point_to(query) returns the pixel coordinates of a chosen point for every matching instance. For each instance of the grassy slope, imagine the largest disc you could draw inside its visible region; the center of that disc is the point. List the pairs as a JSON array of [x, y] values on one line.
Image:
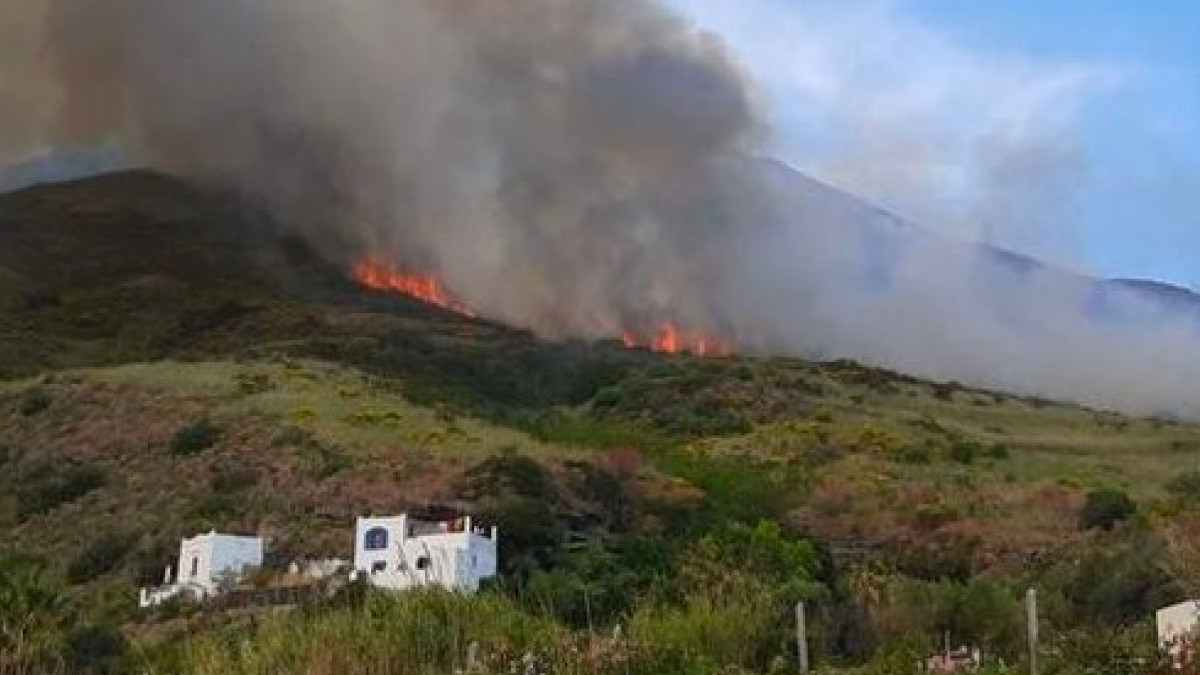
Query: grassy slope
[[133, 307]]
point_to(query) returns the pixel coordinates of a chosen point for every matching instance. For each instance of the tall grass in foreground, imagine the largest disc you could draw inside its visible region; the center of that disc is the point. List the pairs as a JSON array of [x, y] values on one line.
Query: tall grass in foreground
[[417, 633], [432, 632]]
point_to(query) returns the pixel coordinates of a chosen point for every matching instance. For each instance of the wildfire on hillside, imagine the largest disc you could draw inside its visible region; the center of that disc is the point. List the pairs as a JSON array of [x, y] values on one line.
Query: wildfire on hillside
[[668, 338], [424, 287]]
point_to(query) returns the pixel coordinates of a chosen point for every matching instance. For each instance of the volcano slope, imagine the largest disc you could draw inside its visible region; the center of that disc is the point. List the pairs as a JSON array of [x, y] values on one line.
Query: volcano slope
[[171, 364]]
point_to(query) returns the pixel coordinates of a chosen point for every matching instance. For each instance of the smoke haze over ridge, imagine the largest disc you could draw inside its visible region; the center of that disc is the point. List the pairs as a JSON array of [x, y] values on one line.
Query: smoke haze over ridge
[[574, 167]]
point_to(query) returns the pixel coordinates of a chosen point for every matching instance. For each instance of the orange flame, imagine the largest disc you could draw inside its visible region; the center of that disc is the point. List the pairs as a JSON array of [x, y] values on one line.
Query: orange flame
[[670, 339], [425, 287]]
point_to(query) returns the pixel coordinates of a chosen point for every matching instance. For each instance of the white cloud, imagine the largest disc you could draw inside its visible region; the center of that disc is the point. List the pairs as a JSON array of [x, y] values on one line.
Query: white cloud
[[978, 144]]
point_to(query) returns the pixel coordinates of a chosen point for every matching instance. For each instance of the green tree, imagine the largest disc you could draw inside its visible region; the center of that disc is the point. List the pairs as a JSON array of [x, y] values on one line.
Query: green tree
[[31, 617], [1105, 508], [734, 559]]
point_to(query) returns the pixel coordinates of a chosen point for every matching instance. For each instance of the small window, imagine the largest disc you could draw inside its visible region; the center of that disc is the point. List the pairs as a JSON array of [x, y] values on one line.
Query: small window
[[195, 566], [378, 567], [423, 562], [376, 539]]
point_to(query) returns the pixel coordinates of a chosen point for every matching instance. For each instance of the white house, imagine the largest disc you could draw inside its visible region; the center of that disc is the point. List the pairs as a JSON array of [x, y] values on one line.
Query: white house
[[400, 552], [206, 562], [1177, 626]]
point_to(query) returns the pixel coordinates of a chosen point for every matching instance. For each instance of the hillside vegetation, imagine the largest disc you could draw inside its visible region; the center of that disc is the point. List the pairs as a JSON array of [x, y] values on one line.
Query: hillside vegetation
[[169, 364]]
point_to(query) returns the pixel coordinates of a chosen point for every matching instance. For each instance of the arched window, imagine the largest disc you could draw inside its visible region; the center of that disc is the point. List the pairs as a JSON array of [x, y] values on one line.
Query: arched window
[[376, 539]]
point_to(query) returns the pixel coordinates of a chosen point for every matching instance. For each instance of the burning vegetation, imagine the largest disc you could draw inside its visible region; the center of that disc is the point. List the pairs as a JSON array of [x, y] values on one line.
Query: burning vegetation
[[424, 287], [668, 338]]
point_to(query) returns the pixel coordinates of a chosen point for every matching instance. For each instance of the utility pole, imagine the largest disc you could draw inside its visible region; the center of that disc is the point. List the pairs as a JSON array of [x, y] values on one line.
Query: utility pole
[[801, 637], [1031, 619]]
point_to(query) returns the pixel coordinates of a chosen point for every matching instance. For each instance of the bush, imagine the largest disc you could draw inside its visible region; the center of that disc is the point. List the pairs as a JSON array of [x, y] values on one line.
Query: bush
[[1120, 584], [48, 492], [319, 461], [1185, 486], [32, 613], [942, 557], [736, 560], [100, 557], [588, 587], [706, 636], [148, 562], [741, 488], [979, 611], [532, 534], [1105, 508], [913, 454], [213, 510], [932, 516], [95, 649], [34, 401], [233, 478], [195, 438], [964, 452], [508, 473], [423, 631], [998, 451]]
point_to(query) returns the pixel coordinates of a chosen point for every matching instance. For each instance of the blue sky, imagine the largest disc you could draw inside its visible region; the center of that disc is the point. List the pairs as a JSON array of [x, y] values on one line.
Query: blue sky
[[1066, 129]]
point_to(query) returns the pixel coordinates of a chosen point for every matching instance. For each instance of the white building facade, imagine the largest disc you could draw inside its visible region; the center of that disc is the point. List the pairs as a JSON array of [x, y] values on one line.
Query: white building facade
[[1177, 626], [206, 563], [398, 552]]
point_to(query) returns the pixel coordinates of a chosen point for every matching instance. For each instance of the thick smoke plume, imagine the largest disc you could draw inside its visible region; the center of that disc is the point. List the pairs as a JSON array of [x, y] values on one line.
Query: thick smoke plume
[[549, 159], [575, 166]]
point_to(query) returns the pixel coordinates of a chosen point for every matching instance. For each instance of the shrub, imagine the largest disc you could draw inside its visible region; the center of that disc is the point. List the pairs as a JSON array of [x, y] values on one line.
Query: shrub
[[149, 560], [736, 560], [870, 438], [1185, 486], [608, 491], [964, 452], [944, 391], [213, 509], [706, 636], [423, 631], [1120, 584], [945, 556], [100, 557], [978, 611], [233, 478], [1105, 508], [50, 491], [588, 587], [32, 612], [319, 461], [195, 438], [913, 454], [998, 451], [741, 488], [532, 534], [933, 516], [508, 473], [95, 650], [34, 401]]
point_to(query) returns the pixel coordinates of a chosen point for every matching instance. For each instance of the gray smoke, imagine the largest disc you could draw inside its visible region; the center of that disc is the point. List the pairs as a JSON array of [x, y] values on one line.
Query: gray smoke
[[574, 166], [547, 158]]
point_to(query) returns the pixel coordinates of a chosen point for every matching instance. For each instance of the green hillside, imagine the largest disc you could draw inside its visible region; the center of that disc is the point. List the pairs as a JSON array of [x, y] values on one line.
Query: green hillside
[[170, 364]]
